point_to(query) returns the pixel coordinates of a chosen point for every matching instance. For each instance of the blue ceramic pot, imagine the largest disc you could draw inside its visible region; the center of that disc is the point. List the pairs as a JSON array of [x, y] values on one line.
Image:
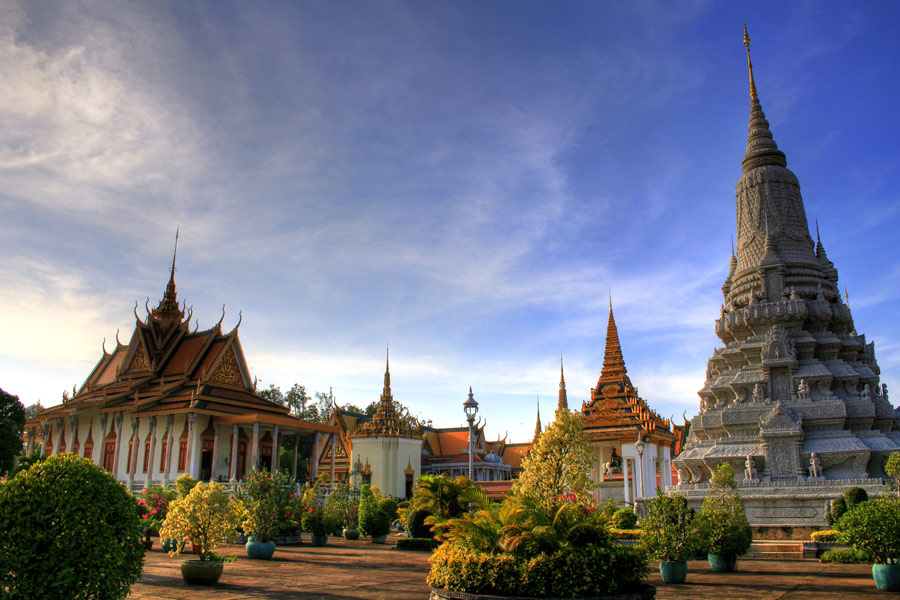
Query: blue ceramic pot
[[380, 539], [259, 550], [887, 577], [318, 539], [673, 571], [722, 563]]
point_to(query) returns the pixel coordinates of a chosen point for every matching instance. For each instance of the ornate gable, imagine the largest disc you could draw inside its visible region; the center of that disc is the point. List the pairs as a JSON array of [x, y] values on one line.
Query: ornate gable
[[228, 371]]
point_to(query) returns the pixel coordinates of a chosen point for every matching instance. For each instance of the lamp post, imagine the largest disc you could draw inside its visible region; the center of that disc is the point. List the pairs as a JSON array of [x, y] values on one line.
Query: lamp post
[[639, 447], [471, 408]]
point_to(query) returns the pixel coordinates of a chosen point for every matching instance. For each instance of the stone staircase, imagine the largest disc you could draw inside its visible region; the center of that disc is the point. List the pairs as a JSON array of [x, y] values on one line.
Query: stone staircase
[[778, 550]]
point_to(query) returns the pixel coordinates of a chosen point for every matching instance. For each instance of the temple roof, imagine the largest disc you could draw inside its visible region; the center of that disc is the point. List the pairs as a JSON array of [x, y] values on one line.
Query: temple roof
[[165, 368], [386, 422]]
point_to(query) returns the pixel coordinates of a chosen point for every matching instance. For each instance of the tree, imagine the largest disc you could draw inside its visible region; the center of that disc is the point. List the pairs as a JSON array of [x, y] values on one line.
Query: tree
[[559, 465], [12, 423], [31, 411], [296, 399]]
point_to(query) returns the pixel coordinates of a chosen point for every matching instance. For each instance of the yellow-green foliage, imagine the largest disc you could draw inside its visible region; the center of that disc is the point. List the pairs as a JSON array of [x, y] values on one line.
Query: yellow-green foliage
[[625, 534], [559, 464], [205, 517], [825, 535]]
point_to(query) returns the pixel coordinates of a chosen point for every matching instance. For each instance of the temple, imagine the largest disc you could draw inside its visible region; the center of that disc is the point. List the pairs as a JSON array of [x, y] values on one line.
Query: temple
[[792, 401], [171, 401], [632, 442]]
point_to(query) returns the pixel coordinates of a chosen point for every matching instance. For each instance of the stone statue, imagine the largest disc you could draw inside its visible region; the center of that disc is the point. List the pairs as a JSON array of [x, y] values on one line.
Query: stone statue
[[750, 470], [741, 396], [758, 394], [803, 390], [815, 466], [884, 393], [824, 390], [866, 392], [614, 465]]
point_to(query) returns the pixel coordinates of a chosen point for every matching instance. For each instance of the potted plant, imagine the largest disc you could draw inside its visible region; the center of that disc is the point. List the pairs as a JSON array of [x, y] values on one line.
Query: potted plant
[[373, 521], [262, 514], [314, 518], [874, 528], [722, 522], [154, 504], [670, 535], [205, 517], [338, 507]]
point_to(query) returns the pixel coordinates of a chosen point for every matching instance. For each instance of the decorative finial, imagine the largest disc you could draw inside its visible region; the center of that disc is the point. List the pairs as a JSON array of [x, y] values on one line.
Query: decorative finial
[[175, 253], [818, 238], [749, 64], [732, 245]]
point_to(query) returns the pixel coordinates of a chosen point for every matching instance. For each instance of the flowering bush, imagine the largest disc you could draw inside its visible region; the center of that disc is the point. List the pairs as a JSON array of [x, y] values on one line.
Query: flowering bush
[[205, 517], [154, 504], [315, 518]]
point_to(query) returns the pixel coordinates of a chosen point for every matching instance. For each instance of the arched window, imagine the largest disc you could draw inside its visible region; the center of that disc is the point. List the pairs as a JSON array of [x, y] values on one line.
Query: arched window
[[147, 451], [162, 457]]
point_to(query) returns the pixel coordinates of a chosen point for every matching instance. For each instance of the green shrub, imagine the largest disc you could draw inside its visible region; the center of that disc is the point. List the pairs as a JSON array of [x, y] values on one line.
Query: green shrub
[[825, 535], [372, 520], [845, 556], [413, 543], [722, 523], [415, 524], [873, 527], [624, 518], [184, 485], [626, 534], [68, 530], [389, 507], [670, 532], [854, 496], [837, 510], [351, 534]]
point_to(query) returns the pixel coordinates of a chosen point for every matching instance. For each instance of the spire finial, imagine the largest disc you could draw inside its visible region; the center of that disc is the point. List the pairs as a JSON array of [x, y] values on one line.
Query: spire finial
[[732, 245], [563, 398], [537, 425], [613, 362], [174, 254], [387, 373], [749, 64]]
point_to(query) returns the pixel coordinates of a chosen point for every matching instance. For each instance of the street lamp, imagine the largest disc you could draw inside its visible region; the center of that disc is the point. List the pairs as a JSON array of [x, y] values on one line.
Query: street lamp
[[471, 408], [639, 447]]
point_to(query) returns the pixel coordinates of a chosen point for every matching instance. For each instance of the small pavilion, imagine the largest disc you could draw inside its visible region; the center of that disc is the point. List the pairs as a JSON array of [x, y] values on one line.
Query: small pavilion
[[632, 442]]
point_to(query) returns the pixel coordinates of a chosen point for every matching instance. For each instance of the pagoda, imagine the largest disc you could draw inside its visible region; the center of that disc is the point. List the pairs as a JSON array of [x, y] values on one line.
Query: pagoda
[[631, 441], [792, 401]]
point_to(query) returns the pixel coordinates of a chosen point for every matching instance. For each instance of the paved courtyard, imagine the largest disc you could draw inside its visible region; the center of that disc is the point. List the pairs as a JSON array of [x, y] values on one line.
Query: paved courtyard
[[361, 569]]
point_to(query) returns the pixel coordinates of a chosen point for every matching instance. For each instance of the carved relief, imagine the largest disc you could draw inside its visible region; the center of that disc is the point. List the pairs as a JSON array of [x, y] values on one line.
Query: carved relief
[[777, 345], [228, 370], [139, 361]]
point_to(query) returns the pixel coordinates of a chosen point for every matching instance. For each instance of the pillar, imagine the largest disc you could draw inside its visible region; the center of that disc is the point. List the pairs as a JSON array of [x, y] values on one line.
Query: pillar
[[276, 451], [73, 429], [627, 483], [31, 433], [314, 458], [45, 436], [294, 465], [104, 419], [170, 440], [234, 452], [254, 458], [132, 466], [60, 424], [152, 457], [190, 446], [333, 457], [215, 454], [118, 425]]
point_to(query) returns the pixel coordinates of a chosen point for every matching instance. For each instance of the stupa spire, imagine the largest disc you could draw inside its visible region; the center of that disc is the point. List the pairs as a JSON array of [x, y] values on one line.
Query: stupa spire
[[168, 306], [761, 147], [563, 398], [387, 374], [537, 425], [613, 361]]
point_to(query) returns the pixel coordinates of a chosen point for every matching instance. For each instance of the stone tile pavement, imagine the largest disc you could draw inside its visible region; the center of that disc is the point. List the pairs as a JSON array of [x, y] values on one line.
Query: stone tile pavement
[[360, 569]]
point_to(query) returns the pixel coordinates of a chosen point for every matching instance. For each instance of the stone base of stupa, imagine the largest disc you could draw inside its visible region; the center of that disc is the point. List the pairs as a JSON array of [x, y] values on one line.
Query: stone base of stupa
[[784, 503]]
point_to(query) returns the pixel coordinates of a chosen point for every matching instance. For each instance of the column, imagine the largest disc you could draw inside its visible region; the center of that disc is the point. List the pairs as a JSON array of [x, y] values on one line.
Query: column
[[73, 430], [314, 458], [118, 425], [45, 436], [132, 466], [151, 459], [294, 465], [627, 484], [254, 459], [190, 447], [31, 433], [104, 419], [60, 424], [234, 451], [333, 457], [276, 451], [170, 440], [215, 454]]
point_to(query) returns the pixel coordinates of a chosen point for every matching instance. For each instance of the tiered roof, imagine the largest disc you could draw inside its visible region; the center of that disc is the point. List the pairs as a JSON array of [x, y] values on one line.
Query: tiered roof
[[615, 410], [386, 422]]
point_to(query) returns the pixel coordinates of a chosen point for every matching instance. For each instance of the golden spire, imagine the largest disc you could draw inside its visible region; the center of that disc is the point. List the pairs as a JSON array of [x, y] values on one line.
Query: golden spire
[[563, 398], [537, 425], [749, 64], [613, 362]]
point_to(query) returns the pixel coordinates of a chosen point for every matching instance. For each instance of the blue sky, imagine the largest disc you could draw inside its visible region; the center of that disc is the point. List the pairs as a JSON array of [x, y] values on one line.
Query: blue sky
[[467, 181]]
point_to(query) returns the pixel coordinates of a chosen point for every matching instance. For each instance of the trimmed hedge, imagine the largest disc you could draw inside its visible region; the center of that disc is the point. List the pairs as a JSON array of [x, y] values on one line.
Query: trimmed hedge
[[568, 572], [624, 518], [417, 544], [625, 534], [415, 524], [845, 556], [68, 530]]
